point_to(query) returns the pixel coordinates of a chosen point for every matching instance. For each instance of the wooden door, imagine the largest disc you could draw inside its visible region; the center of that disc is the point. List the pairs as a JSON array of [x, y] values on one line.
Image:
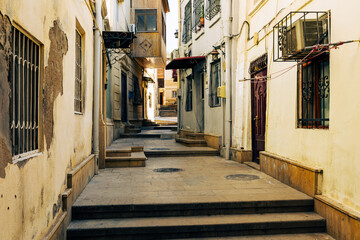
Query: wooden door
[[258, 113]]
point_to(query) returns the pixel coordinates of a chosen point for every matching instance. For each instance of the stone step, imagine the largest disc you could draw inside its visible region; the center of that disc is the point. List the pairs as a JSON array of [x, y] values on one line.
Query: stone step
[[194, 135], [132, 129], [199, 226], [126, 152], [173, 128], [182, 153], [140, 135], [299, 236], [192, 142], [190, 209], [137, 159]]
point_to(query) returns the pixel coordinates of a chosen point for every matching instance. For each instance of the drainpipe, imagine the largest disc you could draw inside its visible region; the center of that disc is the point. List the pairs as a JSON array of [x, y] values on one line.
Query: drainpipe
[[228, 110], [97, 72]]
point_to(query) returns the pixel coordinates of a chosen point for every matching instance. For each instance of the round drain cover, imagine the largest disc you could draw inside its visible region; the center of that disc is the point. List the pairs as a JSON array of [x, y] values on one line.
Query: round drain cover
[[160, 149], [167, 170], [242, 177]]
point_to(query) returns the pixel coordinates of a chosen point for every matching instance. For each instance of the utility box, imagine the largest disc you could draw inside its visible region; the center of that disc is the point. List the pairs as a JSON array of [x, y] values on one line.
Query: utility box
[[221, 92]]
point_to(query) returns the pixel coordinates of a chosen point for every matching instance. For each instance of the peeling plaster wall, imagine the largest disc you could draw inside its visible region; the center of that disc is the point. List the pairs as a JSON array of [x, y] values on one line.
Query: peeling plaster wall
[[30, 191]]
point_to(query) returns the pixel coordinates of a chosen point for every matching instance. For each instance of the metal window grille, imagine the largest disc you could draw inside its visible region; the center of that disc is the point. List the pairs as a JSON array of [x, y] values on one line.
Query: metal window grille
[[295, 35], [189, 95], [314, 93], [213, 8], [214, 100], [187, 34], [78, 101], [24, 103], [198, 15]]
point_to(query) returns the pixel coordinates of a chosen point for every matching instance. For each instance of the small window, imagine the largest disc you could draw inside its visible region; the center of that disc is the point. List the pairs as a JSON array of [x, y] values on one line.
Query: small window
[[187, 34], [163, 28], [198, 15], [137, 92], [314, 93], [215, 80], [174, 94], [161, 83], [213, 8], [78, 97], [24, 78], [146, 20], [189, 94]]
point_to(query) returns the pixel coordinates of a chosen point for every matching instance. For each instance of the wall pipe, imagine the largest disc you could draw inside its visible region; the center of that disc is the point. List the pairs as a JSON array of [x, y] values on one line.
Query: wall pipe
[[97, 72], [228, 110]]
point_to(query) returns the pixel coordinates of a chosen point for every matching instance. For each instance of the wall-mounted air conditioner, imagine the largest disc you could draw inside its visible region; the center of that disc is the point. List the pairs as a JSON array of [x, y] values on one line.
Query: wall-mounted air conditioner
[[298, 32]]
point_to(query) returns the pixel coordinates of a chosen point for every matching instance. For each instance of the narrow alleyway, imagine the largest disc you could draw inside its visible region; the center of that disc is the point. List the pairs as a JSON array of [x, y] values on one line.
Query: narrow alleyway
[[190, 196]]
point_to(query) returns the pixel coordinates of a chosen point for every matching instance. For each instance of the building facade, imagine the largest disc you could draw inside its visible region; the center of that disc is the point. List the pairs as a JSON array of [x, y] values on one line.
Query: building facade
[[287, 68], [46, 82]]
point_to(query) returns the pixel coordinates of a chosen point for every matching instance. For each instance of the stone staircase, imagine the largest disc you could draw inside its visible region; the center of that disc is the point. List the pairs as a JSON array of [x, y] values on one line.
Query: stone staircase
[[132, 129], [254, 219], [191, 139], [130, 157]]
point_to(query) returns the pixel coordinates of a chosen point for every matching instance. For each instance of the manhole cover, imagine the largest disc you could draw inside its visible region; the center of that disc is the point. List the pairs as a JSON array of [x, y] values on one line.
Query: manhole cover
[[160, 149], [241, 177], [167, 170]]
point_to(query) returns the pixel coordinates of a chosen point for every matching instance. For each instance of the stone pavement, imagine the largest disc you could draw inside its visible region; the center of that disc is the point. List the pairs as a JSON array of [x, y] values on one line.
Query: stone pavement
[[201, 179]]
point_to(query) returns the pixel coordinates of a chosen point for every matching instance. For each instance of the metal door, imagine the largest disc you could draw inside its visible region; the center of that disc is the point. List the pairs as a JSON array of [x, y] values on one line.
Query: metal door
[[258, 113]]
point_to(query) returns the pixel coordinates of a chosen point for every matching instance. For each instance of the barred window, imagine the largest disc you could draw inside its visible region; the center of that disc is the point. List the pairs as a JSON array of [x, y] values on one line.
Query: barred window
[[215, 80], [212, 9], [187, 34], [199, 15], [146, 20], [174, 94], [24, 103], [314, 93], [189, 95], [78, 97]]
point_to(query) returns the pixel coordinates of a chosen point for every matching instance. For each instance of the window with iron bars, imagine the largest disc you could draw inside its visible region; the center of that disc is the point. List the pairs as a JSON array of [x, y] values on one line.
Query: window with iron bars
[[199, 15], [24, 77], [78, 97], [215, 80], [314, 93], [212, 9], [187, 34]]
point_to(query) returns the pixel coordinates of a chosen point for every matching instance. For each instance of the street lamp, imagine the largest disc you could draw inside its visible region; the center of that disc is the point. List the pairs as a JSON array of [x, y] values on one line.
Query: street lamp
[[176, 33]]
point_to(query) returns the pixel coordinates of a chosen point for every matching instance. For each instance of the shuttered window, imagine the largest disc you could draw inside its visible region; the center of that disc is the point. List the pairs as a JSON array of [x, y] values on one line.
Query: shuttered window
[[78, 96], [215, 80]]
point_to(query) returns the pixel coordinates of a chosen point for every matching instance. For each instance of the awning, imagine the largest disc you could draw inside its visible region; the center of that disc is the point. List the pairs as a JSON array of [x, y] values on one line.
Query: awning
[[113, 39], [187, 62]]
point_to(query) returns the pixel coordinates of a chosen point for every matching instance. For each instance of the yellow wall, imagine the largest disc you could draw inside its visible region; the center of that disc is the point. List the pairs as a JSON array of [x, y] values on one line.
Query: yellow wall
[[31, 190]]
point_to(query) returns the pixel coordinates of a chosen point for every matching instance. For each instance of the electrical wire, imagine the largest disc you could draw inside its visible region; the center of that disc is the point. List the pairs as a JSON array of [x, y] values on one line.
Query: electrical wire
[[319, 49]]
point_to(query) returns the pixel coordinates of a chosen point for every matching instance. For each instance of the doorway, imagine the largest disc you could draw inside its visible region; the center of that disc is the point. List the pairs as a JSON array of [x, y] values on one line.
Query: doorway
[[258, 112], [124, 112], [161, 98]]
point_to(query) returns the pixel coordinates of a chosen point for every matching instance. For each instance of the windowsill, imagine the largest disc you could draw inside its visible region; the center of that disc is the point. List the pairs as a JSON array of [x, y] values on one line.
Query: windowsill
[[26, 156], [215, 106], [78, 113], [200, 33], [215, 19]]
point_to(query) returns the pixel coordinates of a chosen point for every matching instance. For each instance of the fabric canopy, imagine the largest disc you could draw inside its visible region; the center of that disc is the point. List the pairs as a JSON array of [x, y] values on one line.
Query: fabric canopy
[[187, 62]]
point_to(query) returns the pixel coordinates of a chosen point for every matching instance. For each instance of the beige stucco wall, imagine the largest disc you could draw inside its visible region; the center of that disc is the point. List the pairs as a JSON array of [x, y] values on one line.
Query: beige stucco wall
[[30, 193], [335, 150], [201, 44]]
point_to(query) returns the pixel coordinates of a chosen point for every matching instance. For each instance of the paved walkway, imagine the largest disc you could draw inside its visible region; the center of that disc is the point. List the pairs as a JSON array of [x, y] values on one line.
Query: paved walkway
[[202, 179]]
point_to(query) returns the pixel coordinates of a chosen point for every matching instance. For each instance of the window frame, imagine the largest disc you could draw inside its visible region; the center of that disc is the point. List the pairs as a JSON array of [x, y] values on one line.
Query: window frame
[[154, 12], [187, 34], [79, 79], [34, 73], [317, 109], [214, 100]]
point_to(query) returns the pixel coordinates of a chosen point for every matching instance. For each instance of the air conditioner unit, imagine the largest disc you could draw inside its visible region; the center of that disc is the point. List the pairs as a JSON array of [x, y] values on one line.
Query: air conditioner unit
[[133, 29], [304, 33]]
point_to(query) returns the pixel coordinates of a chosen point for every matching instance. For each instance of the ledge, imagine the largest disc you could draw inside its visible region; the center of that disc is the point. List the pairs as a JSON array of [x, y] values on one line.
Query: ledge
[[81, 165], [339, 207]]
